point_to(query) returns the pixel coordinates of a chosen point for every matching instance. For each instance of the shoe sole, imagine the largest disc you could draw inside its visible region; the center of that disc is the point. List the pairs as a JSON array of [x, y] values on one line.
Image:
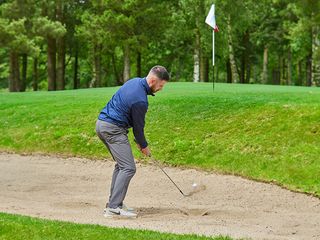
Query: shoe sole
[[116, 216]]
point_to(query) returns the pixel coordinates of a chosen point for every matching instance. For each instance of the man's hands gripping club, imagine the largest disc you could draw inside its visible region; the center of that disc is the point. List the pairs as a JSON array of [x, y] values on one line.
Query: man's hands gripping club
[[146, 151]]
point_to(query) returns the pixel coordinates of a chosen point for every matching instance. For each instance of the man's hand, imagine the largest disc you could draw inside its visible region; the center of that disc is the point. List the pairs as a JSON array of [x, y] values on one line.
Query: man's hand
[[146, 151], [138, 145]]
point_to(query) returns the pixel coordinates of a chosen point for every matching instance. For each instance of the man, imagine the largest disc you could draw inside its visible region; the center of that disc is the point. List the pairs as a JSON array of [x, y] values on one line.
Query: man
[[127, 108]]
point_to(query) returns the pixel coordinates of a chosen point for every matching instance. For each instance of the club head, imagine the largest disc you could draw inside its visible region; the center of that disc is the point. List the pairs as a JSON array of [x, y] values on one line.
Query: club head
[[185, 195]]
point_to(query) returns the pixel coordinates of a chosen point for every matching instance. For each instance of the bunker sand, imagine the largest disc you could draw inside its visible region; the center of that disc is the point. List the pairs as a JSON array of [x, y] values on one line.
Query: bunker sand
[[75, 190]]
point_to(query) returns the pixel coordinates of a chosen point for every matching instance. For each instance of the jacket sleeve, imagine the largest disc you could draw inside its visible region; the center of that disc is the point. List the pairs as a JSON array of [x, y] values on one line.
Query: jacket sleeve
[[138, 113]]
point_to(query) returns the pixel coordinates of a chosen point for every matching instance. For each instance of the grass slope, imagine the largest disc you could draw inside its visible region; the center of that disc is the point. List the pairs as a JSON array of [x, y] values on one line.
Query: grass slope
[[268, 133], [14, 227]]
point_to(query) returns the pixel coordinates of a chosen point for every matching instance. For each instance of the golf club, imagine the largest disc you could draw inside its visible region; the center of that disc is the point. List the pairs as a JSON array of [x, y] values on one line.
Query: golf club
[[158, 164]]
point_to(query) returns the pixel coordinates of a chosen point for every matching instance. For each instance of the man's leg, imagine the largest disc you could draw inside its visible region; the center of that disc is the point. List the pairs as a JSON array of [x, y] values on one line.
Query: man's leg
[[102, 131], [123, 155], [114, 177], [116, 140]]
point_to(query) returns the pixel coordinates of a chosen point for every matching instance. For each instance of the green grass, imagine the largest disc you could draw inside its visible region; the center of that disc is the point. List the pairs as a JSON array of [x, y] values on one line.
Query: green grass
[[268, 133], [21, 227]]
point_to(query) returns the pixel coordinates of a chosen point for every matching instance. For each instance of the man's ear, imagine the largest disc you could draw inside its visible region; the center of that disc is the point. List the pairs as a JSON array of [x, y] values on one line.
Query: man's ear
[[153, 81]]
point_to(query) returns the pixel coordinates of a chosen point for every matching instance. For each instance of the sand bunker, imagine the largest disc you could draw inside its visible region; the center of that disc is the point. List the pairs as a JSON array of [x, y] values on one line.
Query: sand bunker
[[76, 189]]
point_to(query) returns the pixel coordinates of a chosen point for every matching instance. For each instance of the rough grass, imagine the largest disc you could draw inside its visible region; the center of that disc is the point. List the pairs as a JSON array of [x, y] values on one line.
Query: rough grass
[[15, 227], [268, 133]]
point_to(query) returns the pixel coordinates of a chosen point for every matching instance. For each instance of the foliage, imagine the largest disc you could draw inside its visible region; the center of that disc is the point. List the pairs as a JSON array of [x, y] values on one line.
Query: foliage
[[45, 27], [13, 35], [164, 32]]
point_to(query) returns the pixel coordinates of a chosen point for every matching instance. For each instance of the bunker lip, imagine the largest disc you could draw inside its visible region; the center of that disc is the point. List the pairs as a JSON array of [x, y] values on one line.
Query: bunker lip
[[76, 190]]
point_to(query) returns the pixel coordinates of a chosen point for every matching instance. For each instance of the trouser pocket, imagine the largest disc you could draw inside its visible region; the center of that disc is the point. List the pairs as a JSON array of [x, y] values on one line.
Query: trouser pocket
[[110, 133]]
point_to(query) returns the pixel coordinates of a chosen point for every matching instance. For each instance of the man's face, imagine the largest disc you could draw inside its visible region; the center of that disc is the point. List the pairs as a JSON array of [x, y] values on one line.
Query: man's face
[[157, 85]]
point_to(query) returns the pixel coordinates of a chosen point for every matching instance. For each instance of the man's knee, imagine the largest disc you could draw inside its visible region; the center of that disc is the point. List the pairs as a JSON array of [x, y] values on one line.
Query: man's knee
[[130, 171]]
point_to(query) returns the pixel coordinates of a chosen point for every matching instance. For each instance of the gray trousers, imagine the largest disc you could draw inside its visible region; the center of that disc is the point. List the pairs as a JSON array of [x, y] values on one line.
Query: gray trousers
[[116, 140]]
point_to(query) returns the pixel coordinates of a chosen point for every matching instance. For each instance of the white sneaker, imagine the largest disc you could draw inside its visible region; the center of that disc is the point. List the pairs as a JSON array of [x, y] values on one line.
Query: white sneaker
[[126, 208], [118, 212]]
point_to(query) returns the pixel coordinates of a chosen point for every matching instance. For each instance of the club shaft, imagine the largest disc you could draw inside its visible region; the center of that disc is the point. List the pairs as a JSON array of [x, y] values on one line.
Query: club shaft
[[167, 175]]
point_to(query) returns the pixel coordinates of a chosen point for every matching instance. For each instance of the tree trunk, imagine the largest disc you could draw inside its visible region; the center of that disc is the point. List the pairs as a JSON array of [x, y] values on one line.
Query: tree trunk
[[278, 71], [35, 74], [51, 64], [97, 62], [229, 73], [300, 77], [139, 73], [234, 72], [198, 61], [61, 49], [14, 72], [196, 66], [179, 68], [126, 69], [243, 67], [206, 69], [248, 72], [115, 70], [196, 58], [245, 57], [255, 74], [315, 56], [246, 65], [93, 82], [202, 68], [76, 82], [276, 76], [265, 66], [283, 67], [24, 73], [289, 74], [216, 69], [96, 74], [316, 74], [309, 70]]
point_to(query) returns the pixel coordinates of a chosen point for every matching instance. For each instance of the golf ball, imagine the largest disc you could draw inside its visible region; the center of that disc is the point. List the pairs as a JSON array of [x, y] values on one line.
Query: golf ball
[[194, 185]]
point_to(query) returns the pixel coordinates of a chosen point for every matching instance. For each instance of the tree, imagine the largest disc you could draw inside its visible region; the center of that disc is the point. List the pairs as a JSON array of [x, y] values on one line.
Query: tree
[[47, 27], [237, 21], [304, 38], [16, 36], [109, 41], [93, 31]]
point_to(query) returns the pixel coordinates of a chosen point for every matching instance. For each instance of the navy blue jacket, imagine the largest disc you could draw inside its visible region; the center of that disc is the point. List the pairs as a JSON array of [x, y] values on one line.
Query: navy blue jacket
[[128, 106]]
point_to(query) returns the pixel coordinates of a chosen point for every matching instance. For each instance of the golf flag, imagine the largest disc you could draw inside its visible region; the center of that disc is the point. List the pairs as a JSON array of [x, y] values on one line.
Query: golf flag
[[211, 19]]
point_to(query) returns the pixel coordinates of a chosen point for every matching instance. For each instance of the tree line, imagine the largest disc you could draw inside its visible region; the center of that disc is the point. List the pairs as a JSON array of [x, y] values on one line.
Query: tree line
[[57, 45]]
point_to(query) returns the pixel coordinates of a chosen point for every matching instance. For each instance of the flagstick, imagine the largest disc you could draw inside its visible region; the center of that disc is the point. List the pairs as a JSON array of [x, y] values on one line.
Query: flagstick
[[213, 59], [213, 47], [211, 21]]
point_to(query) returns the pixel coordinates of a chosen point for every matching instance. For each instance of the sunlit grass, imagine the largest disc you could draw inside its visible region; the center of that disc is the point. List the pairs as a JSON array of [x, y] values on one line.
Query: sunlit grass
[[15, 227], [269, 133]]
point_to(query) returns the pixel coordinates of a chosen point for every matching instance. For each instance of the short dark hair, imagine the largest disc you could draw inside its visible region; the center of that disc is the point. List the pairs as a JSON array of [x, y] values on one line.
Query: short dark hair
[[161, 72]]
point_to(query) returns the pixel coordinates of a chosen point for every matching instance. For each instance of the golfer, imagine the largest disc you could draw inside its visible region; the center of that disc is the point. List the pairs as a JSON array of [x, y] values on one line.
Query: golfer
[[127, 108]]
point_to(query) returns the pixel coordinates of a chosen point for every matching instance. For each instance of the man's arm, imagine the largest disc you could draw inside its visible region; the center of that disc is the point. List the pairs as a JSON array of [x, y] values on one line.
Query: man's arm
[[138, 113]]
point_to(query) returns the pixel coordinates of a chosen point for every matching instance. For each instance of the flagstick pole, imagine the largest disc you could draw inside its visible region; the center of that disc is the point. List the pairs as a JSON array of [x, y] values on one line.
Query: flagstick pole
[[212, 48], [213, 59]]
